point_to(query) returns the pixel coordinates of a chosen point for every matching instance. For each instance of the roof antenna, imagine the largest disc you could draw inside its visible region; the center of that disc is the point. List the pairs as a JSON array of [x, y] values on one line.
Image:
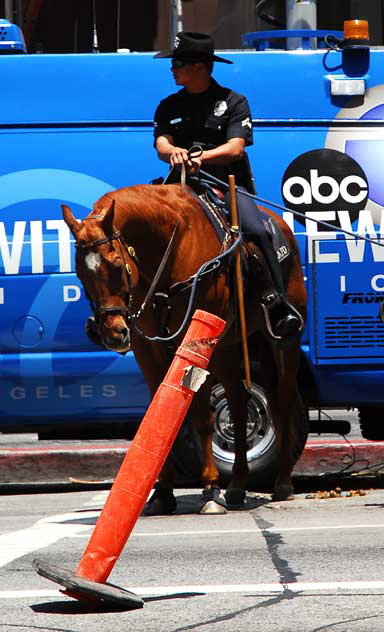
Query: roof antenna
[[176, 10], [118, 25], [95, 43]]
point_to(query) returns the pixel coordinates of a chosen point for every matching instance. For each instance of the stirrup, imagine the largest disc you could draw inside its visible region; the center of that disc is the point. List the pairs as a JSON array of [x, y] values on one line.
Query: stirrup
[[293, 315]]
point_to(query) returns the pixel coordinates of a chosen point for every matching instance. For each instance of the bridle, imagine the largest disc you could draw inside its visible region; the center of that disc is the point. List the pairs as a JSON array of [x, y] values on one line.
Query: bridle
[[101, 310], [124, 310]]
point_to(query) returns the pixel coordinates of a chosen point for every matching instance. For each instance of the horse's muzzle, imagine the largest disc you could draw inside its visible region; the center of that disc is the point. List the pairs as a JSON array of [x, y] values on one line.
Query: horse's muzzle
[[121, 348], [116, 337]]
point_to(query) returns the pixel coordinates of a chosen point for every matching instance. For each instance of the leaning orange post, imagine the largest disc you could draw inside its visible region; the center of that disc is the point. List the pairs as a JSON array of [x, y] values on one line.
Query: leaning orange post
[[140, 467]]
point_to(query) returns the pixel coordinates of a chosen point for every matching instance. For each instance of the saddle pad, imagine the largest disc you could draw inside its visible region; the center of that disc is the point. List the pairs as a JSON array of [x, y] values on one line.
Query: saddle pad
[[215, 216], [218, 220]]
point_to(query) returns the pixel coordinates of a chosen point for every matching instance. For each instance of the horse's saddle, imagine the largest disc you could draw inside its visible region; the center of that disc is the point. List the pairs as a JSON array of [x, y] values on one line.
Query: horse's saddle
[[214, 205]]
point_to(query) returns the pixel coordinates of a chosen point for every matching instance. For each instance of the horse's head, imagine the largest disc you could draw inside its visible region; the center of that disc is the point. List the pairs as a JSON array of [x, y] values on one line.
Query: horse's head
[[107, 270]]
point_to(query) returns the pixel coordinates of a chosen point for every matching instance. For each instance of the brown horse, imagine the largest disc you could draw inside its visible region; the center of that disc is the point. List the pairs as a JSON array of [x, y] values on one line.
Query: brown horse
[[119, 248]]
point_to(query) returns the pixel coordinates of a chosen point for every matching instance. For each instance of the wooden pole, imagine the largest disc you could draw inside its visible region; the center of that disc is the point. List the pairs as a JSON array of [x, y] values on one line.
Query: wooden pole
[[239, 283]]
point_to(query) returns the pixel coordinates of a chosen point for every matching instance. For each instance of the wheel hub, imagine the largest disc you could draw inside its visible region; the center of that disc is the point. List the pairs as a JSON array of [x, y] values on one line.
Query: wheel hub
[[260, 430]]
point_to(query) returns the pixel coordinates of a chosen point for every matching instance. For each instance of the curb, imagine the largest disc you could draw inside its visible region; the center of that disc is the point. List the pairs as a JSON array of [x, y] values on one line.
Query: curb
[[68, 464], [341, 456], [74, 464]]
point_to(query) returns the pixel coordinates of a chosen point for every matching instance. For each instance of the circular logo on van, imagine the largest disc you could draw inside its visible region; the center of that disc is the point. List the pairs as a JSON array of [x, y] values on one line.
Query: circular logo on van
[[325, 180]]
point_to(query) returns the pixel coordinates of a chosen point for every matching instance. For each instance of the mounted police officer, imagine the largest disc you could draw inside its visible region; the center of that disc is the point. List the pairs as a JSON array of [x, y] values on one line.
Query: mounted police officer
[[208, 115]]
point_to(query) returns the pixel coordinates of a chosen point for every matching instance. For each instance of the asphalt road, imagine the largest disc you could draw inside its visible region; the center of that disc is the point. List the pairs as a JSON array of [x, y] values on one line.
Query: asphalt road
[[308, 565]]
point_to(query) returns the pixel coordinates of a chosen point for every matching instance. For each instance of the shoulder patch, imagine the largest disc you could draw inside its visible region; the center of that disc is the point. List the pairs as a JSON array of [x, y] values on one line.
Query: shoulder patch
[[246, 123]]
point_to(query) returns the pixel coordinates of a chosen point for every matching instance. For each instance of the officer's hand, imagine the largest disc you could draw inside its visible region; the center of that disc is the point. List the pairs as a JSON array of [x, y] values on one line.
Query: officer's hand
[[178, 156], [194, 165]]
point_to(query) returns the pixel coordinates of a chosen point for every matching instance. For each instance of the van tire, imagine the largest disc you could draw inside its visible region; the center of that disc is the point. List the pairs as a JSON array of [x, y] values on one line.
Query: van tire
[[262, 447]]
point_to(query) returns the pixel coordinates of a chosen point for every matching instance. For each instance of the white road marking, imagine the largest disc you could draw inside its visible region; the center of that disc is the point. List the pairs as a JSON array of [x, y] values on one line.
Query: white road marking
[[143, 591], [258, 588], [260, 532], [326, 527], [23, 594], [42, 534]]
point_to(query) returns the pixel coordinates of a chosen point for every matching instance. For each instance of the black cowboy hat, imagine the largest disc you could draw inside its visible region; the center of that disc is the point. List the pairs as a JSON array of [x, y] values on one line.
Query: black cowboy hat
[[193, 47]]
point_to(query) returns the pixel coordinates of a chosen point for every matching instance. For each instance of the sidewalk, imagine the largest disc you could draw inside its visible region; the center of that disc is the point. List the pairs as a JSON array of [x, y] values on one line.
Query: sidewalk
[[74, 463]]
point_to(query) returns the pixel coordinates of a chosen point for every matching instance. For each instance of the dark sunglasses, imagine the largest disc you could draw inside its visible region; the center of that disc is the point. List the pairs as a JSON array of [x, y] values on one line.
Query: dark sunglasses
[[179, 63]]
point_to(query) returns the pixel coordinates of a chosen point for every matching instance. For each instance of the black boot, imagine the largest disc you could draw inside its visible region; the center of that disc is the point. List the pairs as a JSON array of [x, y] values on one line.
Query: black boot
[[283, 321]]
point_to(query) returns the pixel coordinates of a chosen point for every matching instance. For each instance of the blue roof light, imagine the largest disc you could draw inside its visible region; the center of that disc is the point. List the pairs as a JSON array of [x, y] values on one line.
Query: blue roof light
[[11, 38]]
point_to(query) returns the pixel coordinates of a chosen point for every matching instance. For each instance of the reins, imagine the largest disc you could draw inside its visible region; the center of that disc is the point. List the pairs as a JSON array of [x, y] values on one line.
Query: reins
[[215, 180], [204, 268], [196, 151], [193, 152], [158, 274]]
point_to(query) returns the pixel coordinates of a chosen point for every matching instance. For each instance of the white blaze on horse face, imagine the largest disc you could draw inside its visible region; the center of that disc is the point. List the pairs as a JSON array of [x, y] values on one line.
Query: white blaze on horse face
[[92, 260]]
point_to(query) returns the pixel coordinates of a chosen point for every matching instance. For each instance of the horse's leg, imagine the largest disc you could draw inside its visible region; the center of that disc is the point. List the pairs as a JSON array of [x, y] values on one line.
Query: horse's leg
[[163, 501], [227, 369], [212, 502], [282, 399], [154, 362]]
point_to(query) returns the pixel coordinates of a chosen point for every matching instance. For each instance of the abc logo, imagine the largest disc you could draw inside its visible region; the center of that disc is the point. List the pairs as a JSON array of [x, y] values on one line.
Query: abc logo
[[325, 180]]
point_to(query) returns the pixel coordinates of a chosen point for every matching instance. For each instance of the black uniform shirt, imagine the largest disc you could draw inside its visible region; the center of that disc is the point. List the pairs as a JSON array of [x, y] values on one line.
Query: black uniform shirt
[[208, 119]]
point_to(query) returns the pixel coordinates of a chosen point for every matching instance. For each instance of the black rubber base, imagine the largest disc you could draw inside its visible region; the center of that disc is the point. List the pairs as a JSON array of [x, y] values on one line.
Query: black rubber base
[[87, 590]]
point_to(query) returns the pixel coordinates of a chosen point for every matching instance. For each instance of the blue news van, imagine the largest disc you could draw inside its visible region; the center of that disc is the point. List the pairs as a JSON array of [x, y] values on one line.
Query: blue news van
[[73, 127]]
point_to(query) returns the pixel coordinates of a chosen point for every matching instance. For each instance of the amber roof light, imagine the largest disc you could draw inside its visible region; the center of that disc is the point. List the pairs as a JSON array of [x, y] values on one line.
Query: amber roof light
[[356, 29]]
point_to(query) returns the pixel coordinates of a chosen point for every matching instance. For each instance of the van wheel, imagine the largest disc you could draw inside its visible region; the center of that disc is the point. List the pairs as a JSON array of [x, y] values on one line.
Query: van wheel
[[372, 423], [262, 451]]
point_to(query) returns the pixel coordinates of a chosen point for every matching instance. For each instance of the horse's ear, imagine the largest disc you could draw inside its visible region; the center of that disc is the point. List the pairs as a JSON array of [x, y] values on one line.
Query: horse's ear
[[107, 221], [70, 220]]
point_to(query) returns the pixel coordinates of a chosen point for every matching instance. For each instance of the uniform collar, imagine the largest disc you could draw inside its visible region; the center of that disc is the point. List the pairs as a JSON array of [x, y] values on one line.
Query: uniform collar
[[211, 90]]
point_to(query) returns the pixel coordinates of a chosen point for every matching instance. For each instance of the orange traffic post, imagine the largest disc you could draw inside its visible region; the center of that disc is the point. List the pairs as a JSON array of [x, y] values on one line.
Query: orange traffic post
[[140, 468]]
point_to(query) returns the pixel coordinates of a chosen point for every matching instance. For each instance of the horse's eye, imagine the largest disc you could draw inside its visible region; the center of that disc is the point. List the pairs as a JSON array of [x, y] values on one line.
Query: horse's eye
[[118, 263], [113, 260]]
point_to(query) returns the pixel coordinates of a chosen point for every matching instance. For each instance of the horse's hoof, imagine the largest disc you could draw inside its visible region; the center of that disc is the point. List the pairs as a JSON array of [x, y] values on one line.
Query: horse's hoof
[[213, 502], [235, 496], [211, 507], [161, 503], [283, 492]]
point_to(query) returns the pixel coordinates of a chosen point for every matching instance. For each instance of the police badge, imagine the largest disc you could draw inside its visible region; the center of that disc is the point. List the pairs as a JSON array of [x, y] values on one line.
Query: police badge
[[220, 108]]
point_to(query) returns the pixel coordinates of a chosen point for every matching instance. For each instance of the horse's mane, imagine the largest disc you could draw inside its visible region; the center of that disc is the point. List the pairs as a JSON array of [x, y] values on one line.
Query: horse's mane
[[162, 204]]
